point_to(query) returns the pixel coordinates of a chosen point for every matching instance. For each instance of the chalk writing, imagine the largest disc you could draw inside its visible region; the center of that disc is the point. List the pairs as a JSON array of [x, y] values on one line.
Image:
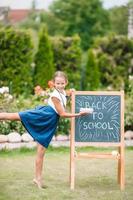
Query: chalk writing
[[103, 125]]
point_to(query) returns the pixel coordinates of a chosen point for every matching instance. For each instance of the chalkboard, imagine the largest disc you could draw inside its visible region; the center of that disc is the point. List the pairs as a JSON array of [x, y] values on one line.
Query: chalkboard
[[104, 124], [103, 128]]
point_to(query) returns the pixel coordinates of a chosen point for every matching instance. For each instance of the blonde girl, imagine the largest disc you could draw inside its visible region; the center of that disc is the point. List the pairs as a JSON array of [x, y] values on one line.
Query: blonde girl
[[41, 122]]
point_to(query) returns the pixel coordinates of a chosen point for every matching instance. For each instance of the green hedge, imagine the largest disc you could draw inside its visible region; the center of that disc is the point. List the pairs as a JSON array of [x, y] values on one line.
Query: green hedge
[[129, 106], [16, 60], [114, 58], [16, 50], [44, 66], [67, 57]]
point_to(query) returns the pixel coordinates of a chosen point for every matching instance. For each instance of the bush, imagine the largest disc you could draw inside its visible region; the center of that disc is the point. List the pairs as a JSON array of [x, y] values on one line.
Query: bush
[[15, 60], [14, 105], [114, 57], [67, 58], [63, 126], [44, 67], [129, 107], [7, 127], [91, 78], [21, 103]]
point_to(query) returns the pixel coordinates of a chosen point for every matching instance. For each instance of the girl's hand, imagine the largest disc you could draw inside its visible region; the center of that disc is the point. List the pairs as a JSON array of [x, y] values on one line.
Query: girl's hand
[[83, 113], [70, 91]]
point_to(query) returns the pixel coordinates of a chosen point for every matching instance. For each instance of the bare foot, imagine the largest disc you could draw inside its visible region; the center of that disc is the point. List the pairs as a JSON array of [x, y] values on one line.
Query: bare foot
[[39, 184]]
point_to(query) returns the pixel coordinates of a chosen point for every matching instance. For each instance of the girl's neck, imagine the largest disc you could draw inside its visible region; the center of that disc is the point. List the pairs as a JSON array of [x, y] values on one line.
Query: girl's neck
[[63, 91]]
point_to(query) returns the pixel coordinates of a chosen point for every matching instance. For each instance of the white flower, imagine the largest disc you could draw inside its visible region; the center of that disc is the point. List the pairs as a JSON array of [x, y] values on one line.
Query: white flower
[[130, 77], [5, 95], [1, 91], [43, 93], [45, 100], [10, 97], [4, 90]]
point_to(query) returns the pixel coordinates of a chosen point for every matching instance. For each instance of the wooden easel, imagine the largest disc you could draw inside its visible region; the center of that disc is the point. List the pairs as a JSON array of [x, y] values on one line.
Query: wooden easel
[[119, 157]]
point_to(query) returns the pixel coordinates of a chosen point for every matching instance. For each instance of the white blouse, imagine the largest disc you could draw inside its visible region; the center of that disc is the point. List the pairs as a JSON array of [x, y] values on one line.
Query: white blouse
[[60, 96]]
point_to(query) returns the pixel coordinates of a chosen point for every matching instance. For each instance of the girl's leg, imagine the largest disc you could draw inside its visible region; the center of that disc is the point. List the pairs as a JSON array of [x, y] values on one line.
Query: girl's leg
[[9, 116], [39, 165]]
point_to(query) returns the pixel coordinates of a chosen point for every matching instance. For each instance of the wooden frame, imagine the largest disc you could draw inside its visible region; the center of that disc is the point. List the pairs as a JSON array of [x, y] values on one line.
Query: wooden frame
[[119, 157]]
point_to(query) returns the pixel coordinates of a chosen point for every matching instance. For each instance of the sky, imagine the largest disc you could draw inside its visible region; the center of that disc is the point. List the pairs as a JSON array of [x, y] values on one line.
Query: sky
[[111, 3], [18, 4]]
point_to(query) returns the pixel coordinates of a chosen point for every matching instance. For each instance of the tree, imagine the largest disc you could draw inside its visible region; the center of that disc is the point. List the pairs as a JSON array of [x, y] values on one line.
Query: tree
[[118, 15], [54, 24], [44, 67], [16, 54], [130, 3], [129, 106], [67, 57], [86, 18], [91, 79], [114, 56]]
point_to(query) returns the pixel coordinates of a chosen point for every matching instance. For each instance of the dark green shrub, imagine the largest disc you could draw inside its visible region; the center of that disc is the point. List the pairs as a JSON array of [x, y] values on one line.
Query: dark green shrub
[[44, 67], [129, 106], [63, 126], [15, 60], [7, 127], [67, 58], [114, 57], [91, 78]]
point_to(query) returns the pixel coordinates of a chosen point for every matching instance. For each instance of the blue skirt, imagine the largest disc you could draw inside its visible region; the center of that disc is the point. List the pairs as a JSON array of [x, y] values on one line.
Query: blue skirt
[[41, 123]]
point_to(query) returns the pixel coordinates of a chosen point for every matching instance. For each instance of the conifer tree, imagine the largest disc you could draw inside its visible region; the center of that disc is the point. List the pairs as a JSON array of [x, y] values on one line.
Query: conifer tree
[[16, 54], [92, 74], [44, 67]]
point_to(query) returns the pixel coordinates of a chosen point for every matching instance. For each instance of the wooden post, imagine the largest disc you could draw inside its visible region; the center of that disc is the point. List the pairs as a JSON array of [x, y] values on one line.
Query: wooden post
[[119, 166], [72, 151], [72, 167], [122, 147]]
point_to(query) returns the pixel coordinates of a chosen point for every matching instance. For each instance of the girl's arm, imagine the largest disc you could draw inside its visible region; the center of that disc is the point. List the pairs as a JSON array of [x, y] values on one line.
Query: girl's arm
[[62, 113]]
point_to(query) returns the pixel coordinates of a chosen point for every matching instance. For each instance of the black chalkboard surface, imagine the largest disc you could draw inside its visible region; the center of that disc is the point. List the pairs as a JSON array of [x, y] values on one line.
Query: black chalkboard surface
[[104, 124]]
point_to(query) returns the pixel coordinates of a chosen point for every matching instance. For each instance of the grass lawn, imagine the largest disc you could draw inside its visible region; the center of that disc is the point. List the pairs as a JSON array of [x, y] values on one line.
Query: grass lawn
[[96, 179]]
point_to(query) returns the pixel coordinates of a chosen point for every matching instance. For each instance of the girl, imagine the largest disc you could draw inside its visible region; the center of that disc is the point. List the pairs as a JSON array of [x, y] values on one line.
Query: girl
[[42, 121]]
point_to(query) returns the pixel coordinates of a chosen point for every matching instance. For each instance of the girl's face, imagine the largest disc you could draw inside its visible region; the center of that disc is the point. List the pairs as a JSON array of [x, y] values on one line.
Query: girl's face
[[60, 83]]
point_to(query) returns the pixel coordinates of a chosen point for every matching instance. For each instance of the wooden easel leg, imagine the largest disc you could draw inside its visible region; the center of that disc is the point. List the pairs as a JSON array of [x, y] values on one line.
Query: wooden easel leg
[[121, 169], [122, 182], [72, 167], [72, 157], [72, 174]]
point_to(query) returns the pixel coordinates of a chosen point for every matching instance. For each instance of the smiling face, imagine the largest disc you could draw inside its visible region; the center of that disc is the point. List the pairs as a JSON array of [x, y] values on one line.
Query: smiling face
[[60, 83]]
